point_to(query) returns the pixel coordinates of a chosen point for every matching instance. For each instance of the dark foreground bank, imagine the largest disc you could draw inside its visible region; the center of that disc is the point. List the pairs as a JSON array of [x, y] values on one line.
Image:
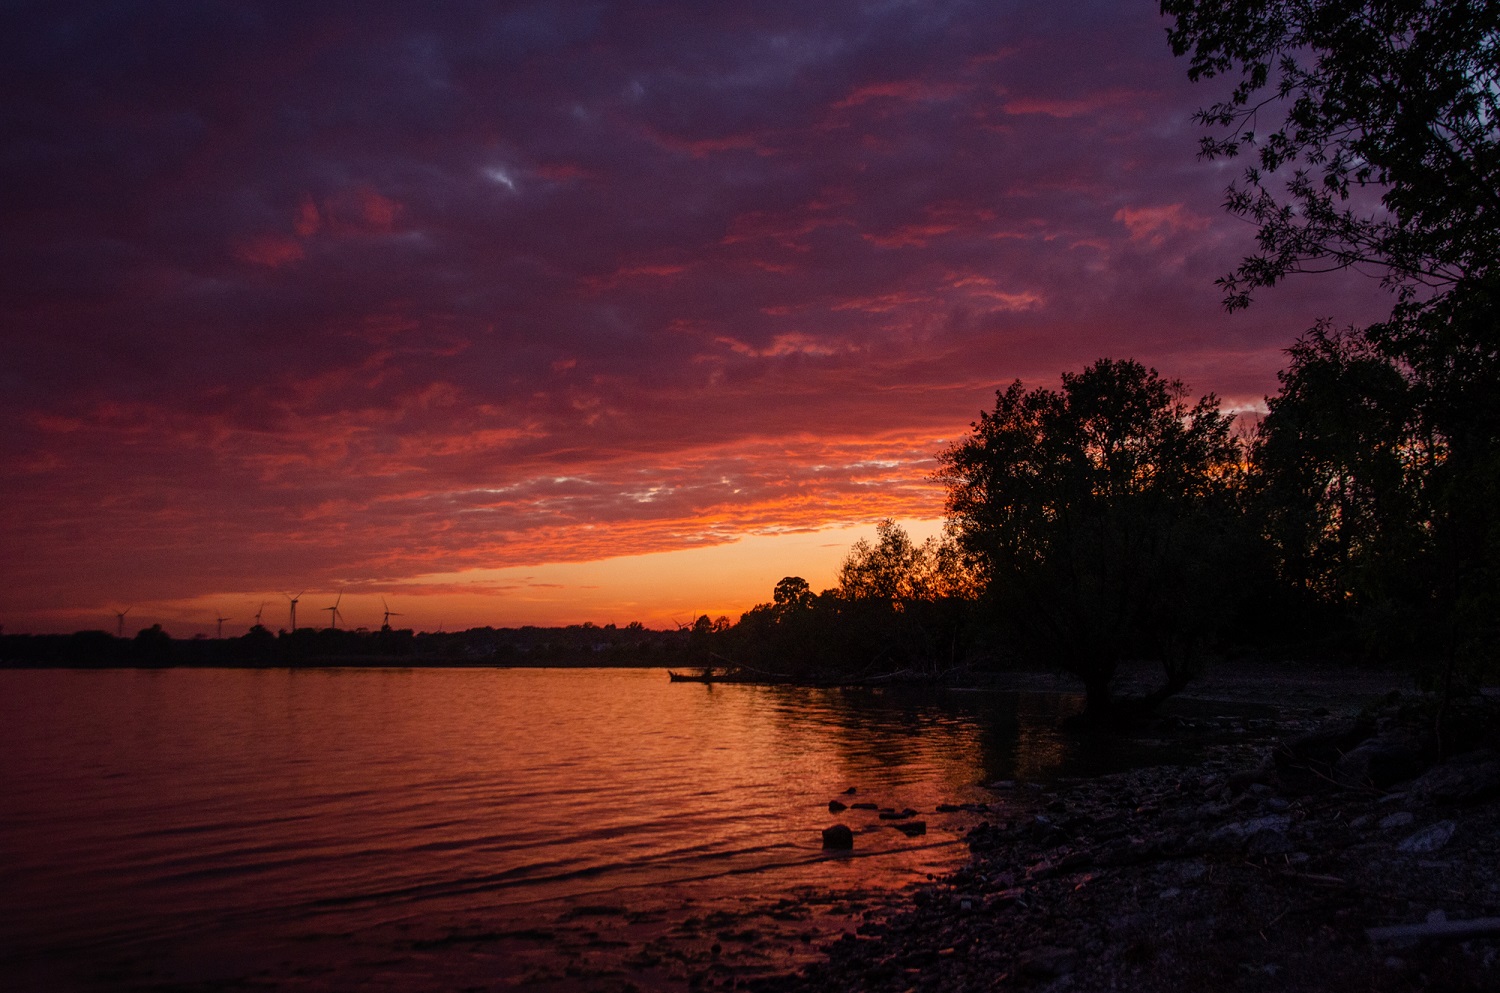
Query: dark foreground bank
[[1346, 855]]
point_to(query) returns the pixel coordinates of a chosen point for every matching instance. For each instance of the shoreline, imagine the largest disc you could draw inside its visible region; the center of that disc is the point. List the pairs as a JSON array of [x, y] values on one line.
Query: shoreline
[[1266, 866]]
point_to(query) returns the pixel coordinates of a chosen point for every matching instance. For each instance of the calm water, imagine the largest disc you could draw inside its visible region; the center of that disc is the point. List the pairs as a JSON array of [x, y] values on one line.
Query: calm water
[[436, 828]]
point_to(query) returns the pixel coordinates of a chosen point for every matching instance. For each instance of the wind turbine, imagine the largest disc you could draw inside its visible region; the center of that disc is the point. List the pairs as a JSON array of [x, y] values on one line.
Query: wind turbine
[[293, 601], [221, 620], [262, 610], [385, 624], [120, 622], [334, 619]]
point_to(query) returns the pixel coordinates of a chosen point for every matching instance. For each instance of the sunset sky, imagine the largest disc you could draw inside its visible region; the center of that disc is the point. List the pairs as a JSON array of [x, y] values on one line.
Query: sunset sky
[[551, 312]]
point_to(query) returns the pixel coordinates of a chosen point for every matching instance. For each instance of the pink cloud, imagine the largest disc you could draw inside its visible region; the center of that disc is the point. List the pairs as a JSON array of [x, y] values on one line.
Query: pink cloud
[[1154, 225], [270, 251], [906, 91], [1065, 108], [309, 220]]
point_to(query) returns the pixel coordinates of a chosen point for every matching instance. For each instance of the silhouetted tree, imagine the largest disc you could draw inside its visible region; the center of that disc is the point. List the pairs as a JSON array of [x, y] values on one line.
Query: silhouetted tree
[[1373, 128], [1338, 465], [916, 597], [792, 594], [152, 646], [258, 643], [889, 571], [1085, 508]]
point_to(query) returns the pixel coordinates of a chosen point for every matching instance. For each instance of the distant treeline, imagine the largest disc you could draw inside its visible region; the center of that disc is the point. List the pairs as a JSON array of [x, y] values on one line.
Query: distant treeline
[[577, 645]]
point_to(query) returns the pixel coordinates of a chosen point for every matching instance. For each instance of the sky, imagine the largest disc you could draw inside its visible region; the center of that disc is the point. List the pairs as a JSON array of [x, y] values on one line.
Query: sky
[[542, 313]]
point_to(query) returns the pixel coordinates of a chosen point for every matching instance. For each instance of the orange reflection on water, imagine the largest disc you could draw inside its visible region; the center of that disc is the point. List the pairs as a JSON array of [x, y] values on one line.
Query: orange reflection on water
[[154, 816]]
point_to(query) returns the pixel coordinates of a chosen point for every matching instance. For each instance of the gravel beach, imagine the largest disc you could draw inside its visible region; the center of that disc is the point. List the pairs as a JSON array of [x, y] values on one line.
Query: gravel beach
[[1348, 850]]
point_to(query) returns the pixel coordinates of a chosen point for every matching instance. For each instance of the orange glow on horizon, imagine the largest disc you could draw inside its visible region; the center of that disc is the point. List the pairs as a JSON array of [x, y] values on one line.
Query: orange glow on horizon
[[659, 589]]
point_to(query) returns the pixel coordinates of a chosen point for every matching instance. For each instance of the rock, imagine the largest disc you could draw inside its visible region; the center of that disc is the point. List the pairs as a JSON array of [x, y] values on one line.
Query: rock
[[864, 806], [1235, 835], [1048, 962], [911, 828], [1472, 778], [1191, 872], [1306, 761], [1381, 761], [897, 815], [1041, 871], [1268, 841], [838, 838], [1255, 780], [1006, 897], [1401, 819], [851, 791], [1074, 861], [835, 807], [1430, 838]]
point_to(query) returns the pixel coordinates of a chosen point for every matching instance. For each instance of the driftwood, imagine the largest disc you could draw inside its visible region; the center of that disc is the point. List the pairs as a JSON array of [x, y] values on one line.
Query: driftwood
[[1435, 929]]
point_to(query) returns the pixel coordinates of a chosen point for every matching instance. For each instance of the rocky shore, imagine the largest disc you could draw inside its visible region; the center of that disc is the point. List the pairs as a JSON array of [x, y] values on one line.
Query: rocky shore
[[1346, 853]]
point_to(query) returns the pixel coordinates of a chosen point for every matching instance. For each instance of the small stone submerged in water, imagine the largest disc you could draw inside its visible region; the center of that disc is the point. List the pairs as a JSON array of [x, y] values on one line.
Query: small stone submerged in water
[[839, 837]]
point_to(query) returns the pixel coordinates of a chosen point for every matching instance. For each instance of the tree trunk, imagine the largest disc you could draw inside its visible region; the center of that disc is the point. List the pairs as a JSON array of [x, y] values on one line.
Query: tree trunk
[[1098, 700]]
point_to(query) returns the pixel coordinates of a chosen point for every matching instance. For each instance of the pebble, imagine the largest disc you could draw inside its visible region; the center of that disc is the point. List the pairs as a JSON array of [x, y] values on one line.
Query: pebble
[[1048, 962], [1429, 839]]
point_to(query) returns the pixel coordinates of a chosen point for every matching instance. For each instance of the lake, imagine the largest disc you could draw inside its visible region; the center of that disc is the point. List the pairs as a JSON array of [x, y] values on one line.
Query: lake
[[570, 829]]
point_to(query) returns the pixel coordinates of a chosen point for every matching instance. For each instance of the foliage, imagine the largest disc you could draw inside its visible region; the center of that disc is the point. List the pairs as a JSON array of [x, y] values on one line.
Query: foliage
[[153, 646], [1094, 515], [917, 597], [1376, 483], [900, 607], [1373, 128], [1338, 466], [1373, 132], [793, 594]]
